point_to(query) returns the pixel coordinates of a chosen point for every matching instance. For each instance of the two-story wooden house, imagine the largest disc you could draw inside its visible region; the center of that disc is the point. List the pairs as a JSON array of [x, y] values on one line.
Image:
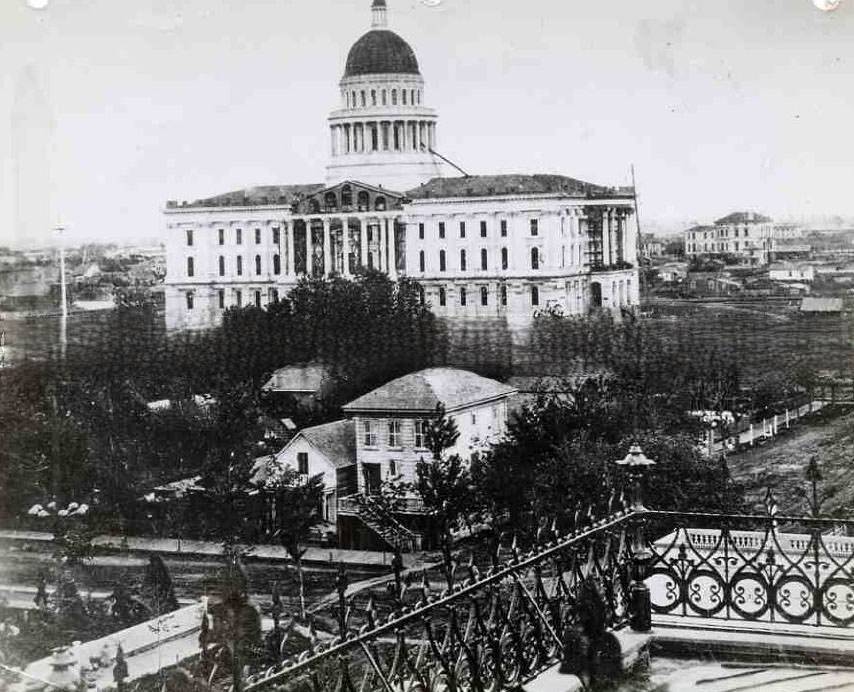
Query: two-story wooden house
[[385, 436]]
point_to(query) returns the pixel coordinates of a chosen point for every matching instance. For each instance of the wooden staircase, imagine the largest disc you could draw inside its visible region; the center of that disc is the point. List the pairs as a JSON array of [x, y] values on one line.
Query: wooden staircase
[[383, 524]]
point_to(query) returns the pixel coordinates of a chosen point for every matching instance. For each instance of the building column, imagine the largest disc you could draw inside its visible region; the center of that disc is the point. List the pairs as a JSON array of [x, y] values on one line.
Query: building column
[[309, 259], [288, 229], [363, 242], [327, 260], [392, 246], [606, 237], [345, 237], [381, 245]]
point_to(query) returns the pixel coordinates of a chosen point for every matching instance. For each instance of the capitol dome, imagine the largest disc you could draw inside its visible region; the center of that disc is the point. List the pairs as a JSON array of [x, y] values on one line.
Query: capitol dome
[[381, 51]]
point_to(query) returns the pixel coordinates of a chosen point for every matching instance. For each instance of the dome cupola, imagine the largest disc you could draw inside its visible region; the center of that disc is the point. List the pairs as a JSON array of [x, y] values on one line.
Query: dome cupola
[[380, 51]]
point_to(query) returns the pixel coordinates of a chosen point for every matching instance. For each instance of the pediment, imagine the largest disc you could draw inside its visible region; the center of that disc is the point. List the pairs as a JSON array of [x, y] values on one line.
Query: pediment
[[349, 196]]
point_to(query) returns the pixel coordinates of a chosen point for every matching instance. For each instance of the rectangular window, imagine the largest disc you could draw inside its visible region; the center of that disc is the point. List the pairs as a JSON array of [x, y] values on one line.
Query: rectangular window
[[238, 297], [392, 467], [276, 236], [462, 296], [257, 236], [302, 463], [369, 438], [221, 297], [394, 433], [503, 295], [420, 434], [238, 236], [221, 234], [239, 265], [535, 295], [483, 229], [535, 227], [189, 301], [420, 231], [190, 238], [190, 266], [442, 297], [441, 229], [257, 299], [503, 228], [462, 229], [484, 295]]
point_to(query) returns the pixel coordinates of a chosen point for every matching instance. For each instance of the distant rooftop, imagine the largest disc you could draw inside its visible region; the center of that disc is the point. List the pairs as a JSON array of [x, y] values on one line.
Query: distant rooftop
[[512, 184], [421, 391], [253, 196], [300, 378], [810, 304], [743, 217]]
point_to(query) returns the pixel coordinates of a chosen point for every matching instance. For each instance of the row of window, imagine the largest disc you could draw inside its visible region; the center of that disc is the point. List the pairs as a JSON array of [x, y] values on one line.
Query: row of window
[[534, 226], [277, 265], [356, 99], [536, 259], [258, 300], [484, 295], [394, 433], [238, 236]]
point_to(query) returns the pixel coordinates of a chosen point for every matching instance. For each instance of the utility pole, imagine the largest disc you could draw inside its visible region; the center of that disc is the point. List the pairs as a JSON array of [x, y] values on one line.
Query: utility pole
[[639, 245], [63, 291]]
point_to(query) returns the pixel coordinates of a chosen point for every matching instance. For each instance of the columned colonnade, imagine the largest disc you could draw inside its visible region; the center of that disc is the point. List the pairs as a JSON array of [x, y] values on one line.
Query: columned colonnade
[[341, 243], [382, 135]]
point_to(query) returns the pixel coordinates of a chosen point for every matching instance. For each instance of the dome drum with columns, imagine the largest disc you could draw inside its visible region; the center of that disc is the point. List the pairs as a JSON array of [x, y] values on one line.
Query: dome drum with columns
[[383, 132]]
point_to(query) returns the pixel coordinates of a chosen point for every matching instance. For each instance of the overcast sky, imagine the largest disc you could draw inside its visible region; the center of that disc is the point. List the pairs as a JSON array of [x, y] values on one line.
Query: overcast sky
[[720, 105]]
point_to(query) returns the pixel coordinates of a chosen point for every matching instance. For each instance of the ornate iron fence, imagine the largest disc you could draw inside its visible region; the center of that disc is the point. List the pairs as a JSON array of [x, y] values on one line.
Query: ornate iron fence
[[488, 632], [754, 567]]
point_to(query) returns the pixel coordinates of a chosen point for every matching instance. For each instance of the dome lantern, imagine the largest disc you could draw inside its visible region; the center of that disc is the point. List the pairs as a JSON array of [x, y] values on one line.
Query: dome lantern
[[378, 15]]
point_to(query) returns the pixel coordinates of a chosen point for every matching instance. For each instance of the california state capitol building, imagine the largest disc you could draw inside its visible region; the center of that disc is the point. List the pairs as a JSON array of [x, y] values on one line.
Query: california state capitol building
[[502, 246]]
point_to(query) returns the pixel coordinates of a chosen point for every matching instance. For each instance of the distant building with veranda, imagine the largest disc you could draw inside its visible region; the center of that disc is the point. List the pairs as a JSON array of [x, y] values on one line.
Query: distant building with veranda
[[753, 238], [481, 245]]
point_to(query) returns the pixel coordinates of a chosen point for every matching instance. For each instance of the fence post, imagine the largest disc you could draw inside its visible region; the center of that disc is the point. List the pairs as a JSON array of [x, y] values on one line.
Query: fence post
[[787, 419], [751, 434]]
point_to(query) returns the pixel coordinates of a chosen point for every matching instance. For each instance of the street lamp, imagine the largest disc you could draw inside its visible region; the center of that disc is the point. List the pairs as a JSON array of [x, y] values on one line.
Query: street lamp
[[640, 603]]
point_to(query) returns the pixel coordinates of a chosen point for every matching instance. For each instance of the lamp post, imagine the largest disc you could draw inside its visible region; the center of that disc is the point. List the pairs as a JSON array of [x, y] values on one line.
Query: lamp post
[[640, 604]]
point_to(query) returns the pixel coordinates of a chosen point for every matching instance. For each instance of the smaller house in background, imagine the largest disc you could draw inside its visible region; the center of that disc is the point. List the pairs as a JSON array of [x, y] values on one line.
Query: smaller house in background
[[306, 383], [821, 306], [672, 272], [791, 272], [328, 450]]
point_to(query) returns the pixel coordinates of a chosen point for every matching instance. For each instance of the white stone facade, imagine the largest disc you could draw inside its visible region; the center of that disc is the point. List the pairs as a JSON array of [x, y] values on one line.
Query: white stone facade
[[751, 237]]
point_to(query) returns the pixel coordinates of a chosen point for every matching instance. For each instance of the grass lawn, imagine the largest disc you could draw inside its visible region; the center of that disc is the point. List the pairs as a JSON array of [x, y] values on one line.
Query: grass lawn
[[780, 465]]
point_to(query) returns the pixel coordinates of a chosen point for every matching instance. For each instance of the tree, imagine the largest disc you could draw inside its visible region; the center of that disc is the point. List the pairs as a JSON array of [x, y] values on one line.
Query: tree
[[297, 503], [156, 592]]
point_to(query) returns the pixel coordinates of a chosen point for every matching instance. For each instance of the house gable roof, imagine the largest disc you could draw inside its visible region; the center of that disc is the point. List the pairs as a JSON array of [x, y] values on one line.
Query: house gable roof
[[422, 391], [336, 441]]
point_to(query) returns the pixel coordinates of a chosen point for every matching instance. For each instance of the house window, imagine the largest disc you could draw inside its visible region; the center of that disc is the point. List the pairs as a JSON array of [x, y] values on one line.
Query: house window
[[257, 264], [535, 295], [421, 260], [239, 265], [483, 229], [190, 238], [190, 266], [442, 296], [221, 265], [302, 463], [420, 434], [462, 296], [277, 264], [238, 236], [275, 295], [535, 258], [503, 228], [189, 301], [441, 229], [484, 295], [462, 260], [503, 294], [462, 229], [257, 236], [441, 260], [420, 231], [238, 297], [369, 434], [221, 234], [257, 299], [504, 258], [392, 467], [394, 433], [221, 298], [535, 228], [483, 259], [276, 236]]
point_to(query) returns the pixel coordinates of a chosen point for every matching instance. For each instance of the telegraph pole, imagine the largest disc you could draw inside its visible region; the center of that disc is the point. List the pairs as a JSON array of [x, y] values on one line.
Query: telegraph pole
[[63, 291]]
